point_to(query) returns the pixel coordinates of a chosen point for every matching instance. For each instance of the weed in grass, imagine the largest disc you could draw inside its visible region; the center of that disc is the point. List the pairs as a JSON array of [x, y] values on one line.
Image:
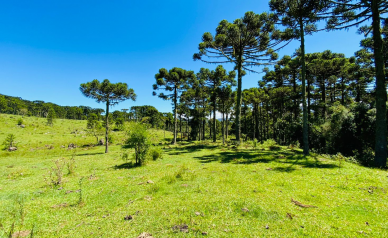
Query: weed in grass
[[70, 164], [153, 188], [254, 144], [55, 174], [80, 199], [156, 153], [16, 215], [170, 178], [18, 174], [340, 158]]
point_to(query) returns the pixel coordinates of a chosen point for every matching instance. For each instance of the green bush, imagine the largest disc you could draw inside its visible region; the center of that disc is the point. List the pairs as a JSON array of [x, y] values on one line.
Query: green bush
[[156, 153], [139, 139], [9, 141], [254, 144], [271, 144], [51, 116], [20, 121], [119, 123]]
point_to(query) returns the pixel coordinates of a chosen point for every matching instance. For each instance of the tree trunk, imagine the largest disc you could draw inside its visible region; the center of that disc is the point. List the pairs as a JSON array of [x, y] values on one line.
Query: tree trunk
[[381, 93], [305, 125], [295, 96], [227, 126], [107, 126], [343, 91], [175, 115], [180, 126], [323, 98], [308, 98], [239, 98], [214, 118], [223, 128], [261, 122]]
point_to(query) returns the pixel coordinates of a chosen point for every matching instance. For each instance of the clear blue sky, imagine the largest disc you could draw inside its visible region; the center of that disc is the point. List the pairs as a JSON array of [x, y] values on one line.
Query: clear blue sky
[[48, 48]]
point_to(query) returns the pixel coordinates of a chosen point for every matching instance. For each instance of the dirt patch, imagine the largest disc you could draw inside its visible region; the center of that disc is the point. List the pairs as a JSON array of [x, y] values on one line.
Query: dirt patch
[[181, 228], [60, 205], [300, 204], [145, 235], [373, 189], [21, 234]]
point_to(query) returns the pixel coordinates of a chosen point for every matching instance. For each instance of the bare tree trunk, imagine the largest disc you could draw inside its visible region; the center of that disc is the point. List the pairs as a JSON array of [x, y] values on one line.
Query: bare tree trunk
[[175, 115], [214, 119], [305, 125], [227, 126], [239, 98], [107, 127], [381, 92]]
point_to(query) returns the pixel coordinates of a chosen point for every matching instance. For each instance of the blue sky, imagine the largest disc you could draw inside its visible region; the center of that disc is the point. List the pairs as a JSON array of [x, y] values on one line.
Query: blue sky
[[48, 48]]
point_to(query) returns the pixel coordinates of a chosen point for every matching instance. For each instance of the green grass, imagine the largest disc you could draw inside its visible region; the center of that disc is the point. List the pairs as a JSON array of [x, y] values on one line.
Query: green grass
[[210, 188]]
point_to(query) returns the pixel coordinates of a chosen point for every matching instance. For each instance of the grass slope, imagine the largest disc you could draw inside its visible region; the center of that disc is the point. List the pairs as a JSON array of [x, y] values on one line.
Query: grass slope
[[214, 190]]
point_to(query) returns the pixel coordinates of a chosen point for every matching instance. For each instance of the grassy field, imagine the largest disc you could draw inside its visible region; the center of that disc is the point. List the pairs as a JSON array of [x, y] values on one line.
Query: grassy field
[[197, 189]]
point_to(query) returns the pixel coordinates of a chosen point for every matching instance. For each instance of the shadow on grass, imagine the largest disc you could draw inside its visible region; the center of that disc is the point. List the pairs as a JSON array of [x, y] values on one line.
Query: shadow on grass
[[91, 153], [129, 165], [285, 159], [172, 150]]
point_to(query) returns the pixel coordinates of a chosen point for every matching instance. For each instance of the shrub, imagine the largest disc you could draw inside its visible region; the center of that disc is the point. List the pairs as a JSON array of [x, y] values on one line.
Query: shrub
[[94, 126], [119, 123], [70, 164], [254, 144], [366, 157], [51, 116], [55, 173], [271, 144], [125, 156], [156, 153], [9, 141], [20, 121], [139, 139]]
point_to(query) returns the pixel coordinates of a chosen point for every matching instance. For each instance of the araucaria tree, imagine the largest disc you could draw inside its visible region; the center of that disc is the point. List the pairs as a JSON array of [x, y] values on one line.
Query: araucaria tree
[[246, 42], [108, 93], [172, 81], [300, 17], [348, 13]]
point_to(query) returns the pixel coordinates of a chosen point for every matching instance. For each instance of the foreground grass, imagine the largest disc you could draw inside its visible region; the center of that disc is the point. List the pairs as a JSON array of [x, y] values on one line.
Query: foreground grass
[[214, 190]]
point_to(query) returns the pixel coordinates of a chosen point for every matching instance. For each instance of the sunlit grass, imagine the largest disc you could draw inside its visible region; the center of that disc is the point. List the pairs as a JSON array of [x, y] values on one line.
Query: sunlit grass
[[214, 190]]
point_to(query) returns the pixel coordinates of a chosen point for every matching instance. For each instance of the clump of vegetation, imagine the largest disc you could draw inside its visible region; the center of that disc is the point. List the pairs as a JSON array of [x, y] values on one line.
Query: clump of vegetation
[[20, 121], [156, 153], [55, 174], [94, 126], [340, 158], [9, 142], [80, 198], [70, 164], [124, 156], [294, 145], [254, 144], [366, 157], [51, 115], [139, 139], [119, 124], [271, 144]]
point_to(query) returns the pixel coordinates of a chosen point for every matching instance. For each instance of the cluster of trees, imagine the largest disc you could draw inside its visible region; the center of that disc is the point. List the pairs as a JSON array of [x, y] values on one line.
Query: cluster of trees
[[322, 100]]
